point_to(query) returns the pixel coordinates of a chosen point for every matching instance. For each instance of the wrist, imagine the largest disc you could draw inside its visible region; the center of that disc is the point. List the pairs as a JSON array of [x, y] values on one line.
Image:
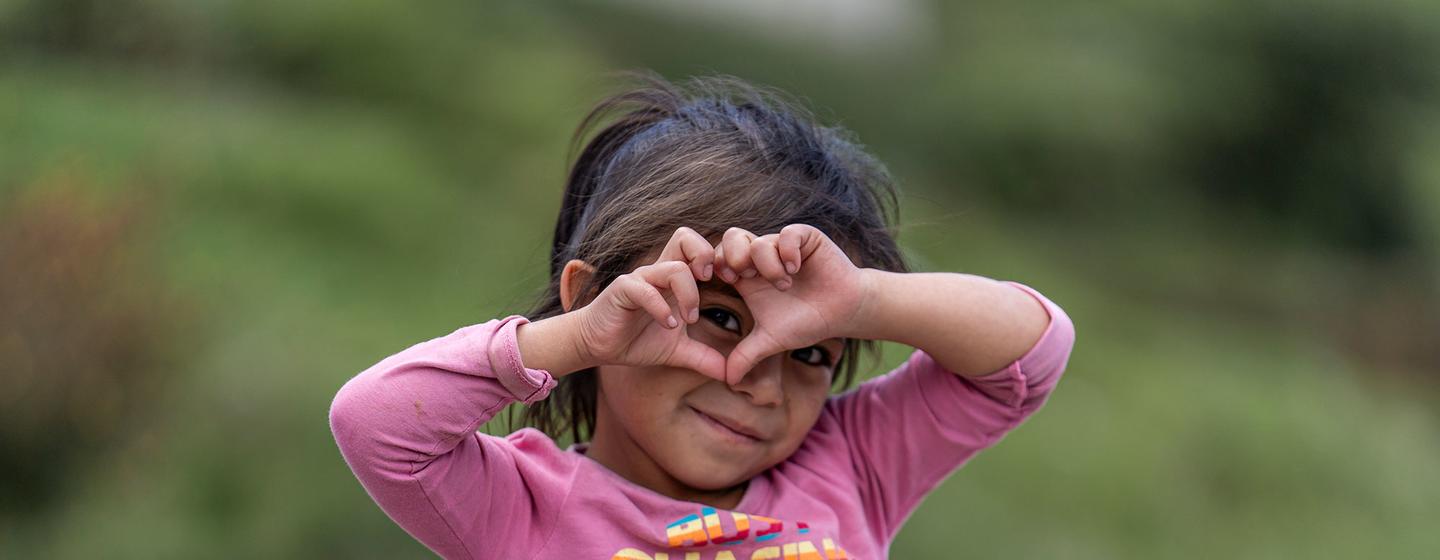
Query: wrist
[[553, 344], [868, 319]]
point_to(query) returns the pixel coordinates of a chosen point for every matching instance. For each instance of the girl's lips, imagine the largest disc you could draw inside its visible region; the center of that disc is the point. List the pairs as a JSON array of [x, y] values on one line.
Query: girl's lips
[[724, 429]]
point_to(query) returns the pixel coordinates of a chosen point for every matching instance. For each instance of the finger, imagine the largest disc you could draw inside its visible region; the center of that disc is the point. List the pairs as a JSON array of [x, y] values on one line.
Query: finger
[[736, 246], [695, 355], [675, 277], [687, 294], [766, 258], [791, 237], [656, 273], [639, 293], [688, 246], [749, 352], [721, 268]]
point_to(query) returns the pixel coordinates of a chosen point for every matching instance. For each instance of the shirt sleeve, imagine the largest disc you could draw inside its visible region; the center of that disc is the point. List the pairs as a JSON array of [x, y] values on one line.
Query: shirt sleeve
[[407, 429], [907, 430]]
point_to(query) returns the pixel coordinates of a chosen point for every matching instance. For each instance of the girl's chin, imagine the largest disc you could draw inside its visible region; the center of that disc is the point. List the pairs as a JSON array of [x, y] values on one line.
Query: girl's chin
[[712, 476], [717, 476]]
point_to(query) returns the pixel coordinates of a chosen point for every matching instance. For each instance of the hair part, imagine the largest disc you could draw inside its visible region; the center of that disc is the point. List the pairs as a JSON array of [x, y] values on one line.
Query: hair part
[[713, 153]]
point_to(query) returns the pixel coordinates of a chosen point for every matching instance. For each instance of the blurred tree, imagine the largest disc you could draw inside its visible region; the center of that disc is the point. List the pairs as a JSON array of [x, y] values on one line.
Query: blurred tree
[[1329, 105], [83, 342]]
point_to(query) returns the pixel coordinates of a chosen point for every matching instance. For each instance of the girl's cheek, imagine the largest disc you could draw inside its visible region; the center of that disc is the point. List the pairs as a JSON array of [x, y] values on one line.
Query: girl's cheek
[[811, 384]]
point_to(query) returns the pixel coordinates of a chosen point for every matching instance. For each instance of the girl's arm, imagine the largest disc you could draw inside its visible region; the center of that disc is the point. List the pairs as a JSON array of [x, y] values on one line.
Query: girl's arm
[[987, 356], [970, 325], [902, 433], [406, 427]]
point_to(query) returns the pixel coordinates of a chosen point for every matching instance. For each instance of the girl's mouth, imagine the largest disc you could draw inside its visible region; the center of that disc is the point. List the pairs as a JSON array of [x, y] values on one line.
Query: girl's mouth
[[725, 430]]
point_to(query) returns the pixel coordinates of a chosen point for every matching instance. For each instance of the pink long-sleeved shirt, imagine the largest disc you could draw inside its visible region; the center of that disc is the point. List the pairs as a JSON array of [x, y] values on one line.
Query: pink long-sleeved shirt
[[407, 428]]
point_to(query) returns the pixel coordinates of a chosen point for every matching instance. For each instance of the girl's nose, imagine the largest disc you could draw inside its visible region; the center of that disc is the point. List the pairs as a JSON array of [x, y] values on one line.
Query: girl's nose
[[764, 384]]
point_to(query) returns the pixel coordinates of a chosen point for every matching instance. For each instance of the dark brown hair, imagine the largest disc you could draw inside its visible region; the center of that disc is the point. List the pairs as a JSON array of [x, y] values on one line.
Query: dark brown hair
[[710, 154]]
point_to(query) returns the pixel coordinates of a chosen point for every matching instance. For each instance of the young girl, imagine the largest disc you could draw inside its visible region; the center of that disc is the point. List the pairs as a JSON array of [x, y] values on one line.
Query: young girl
[[718, 261]]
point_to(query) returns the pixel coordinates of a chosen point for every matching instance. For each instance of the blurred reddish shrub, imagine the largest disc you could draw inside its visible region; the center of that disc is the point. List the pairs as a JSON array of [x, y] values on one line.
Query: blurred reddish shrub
[[83, 329]]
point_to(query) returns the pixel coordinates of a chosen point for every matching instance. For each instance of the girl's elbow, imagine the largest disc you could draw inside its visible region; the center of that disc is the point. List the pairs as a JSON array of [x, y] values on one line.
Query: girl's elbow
[[347, 417]]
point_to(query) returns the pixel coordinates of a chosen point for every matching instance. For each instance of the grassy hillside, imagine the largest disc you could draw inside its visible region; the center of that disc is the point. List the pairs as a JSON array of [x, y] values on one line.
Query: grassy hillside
[[287, 207]]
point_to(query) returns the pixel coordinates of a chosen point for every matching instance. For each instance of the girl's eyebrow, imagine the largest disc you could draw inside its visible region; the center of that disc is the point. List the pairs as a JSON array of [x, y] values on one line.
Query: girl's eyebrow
[[720, 286]]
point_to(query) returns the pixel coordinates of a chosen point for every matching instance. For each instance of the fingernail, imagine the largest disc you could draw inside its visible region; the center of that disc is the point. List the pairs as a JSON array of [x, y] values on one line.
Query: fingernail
[[694, 314], [728, 275], [671, 321], [749, 273], [783, 284], [708, 270], [791, 268]]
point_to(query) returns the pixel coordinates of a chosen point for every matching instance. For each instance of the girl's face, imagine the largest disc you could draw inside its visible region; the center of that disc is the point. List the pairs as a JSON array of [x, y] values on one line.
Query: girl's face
[[681, 433]]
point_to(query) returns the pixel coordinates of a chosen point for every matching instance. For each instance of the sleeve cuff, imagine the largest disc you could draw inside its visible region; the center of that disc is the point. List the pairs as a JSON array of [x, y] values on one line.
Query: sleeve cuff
[[1033, 374], [527, 385]]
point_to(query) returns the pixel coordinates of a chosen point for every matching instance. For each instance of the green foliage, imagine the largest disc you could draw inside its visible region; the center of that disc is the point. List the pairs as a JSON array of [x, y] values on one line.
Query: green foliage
[[1224, 197]]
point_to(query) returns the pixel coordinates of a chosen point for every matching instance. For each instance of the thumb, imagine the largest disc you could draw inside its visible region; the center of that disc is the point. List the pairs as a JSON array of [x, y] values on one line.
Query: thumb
[[700, 357], [751, 349]]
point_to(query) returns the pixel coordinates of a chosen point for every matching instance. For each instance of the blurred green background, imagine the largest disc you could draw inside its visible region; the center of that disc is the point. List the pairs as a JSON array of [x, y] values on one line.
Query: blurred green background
[[213, 213]]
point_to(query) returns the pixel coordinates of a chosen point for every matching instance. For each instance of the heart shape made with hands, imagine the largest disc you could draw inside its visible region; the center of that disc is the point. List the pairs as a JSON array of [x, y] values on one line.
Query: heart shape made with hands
[[799, 286]]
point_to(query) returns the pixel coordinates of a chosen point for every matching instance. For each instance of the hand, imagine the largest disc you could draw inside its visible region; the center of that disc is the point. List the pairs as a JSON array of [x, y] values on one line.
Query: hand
[[633, 322], [800, 287]]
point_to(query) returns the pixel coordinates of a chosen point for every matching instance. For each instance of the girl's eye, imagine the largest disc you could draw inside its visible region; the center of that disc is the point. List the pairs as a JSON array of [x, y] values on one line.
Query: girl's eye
[[725, 319], [813, 355]]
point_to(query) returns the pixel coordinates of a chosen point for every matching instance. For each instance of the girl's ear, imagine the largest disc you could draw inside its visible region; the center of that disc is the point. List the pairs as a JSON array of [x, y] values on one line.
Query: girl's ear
[[577, 273]]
